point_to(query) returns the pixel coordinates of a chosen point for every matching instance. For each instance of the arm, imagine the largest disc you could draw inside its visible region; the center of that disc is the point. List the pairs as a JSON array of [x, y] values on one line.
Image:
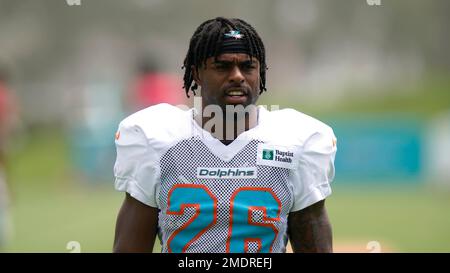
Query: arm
[[136, 227], [310, 230]]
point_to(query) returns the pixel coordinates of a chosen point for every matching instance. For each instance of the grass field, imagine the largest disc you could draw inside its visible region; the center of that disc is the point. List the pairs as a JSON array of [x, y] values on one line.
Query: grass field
[[51, 206]]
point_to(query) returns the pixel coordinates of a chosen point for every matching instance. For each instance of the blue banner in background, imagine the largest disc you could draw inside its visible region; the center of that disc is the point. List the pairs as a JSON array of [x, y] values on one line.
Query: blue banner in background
[[378, 149]]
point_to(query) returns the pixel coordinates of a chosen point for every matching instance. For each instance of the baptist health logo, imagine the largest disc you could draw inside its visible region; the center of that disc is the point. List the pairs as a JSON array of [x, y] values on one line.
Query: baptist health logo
[[73, 2], [267, 154], [277, 155]]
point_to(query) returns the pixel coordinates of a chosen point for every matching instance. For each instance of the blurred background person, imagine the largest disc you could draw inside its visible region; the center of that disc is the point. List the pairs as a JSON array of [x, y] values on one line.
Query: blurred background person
[[8, 120], [152, 86]]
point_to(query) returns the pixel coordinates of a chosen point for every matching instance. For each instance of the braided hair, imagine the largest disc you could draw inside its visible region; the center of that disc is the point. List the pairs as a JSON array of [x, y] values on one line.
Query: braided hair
[[207, 40]]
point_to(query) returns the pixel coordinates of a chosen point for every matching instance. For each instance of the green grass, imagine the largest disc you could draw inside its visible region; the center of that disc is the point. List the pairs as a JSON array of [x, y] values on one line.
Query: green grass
[[51, 206], [406, 220], [45, 221]]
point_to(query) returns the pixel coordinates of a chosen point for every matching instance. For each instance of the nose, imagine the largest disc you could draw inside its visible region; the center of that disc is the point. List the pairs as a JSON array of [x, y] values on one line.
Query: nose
[[236, 75]]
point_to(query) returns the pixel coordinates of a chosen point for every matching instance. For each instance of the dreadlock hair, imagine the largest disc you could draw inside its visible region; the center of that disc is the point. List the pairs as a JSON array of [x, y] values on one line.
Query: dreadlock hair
[[207, 40]]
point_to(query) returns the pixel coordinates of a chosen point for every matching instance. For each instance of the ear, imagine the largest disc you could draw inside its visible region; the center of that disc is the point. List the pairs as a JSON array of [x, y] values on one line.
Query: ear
[[196, 75]]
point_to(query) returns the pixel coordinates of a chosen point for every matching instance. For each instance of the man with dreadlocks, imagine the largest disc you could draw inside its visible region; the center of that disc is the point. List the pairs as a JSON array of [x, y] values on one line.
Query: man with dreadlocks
[[251, 191]]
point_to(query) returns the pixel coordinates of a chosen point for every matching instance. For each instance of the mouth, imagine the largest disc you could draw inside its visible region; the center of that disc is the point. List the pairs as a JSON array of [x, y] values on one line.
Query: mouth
[[235, 96], [236, 92]]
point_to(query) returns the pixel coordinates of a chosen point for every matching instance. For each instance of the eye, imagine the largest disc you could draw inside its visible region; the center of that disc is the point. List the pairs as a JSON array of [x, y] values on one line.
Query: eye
[[221, 66], [248, 66]]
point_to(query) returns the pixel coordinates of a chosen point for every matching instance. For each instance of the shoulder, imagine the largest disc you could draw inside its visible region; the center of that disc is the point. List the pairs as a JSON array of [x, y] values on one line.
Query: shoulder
[[294, 127], [159, 123], [154, 115]]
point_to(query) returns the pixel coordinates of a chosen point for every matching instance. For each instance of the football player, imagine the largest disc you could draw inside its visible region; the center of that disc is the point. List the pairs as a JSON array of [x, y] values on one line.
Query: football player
[[199, 191]]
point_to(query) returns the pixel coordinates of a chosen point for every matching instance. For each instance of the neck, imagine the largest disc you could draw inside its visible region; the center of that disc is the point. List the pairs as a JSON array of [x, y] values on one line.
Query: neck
[[229, 124]]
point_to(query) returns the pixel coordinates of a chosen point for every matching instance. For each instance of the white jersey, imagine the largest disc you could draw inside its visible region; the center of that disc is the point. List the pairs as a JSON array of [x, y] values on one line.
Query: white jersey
[[224, 198]]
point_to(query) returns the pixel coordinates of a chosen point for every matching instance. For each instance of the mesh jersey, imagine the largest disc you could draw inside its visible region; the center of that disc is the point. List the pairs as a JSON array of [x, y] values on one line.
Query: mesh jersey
[[224, 198]]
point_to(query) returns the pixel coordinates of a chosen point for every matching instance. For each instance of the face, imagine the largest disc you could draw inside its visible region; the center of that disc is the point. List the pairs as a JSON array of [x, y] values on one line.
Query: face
[[231, 79]]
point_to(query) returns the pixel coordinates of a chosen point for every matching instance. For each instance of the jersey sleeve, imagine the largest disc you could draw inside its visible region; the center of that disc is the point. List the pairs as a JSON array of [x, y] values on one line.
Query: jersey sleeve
[[136, 168], [311, 181]]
